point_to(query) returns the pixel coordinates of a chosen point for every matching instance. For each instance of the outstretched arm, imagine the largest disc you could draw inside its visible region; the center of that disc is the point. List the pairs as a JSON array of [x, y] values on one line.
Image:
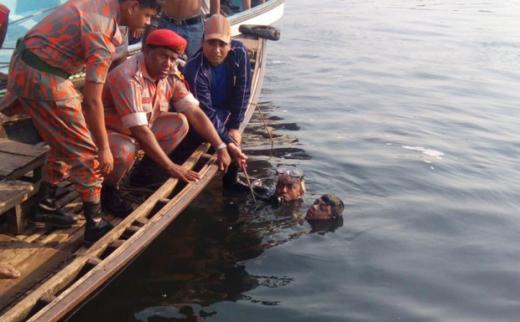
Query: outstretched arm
[[237, 155], [151, 147], [203, 126]]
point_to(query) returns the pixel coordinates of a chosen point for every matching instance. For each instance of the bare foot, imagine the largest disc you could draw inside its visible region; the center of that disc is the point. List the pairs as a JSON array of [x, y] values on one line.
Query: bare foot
[[7, 271]]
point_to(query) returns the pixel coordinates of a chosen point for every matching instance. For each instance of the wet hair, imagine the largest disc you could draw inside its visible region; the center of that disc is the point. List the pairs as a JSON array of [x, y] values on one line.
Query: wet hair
[[335, 203], [152, 4]]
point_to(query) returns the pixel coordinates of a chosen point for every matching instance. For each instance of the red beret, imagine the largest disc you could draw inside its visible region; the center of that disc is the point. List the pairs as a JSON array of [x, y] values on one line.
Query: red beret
[[167, 38]]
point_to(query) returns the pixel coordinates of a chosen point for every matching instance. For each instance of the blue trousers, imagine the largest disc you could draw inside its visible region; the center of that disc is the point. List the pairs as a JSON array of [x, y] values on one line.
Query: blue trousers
[[192, 33]]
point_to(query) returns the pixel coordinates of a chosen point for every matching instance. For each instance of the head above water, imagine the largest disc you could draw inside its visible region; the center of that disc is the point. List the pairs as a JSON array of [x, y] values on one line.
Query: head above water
[[326, 207], [137, 14], [290, 184], [217, 39], [163, 48]]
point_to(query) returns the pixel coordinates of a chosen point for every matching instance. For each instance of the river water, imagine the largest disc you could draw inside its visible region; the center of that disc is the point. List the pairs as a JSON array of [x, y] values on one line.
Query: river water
[[408, 110]]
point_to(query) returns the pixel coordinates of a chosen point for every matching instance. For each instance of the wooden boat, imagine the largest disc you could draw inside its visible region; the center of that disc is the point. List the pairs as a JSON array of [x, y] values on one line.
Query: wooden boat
[[58, 272], [266, 13]]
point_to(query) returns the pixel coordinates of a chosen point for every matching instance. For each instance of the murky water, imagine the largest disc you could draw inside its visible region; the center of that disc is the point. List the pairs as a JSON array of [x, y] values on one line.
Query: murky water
[[408, 110]]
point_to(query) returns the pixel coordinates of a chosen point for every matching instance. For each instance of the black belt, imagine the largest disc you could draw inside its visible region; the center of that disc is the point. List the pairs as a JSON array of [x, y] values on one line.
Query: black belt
[[189, 21], [37, 63]]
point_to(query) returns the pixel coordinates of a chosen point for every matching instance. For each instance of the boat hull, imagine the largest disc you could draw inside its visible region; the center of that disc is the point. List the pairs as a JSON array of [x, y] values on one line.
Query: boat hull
[[90, 269]]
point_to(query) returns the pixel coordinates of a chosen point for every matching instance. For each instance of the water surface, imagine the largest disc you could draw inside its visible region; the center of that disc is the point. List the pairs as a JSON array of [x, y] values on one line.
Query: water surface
[[408, 110]]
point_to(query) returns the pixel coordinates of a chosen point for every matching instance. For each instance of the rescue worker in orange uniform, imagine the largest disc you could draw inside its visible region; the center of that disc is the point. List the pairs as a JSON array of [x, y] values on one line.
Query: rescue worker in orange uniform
[[80, 34], [138, 96]]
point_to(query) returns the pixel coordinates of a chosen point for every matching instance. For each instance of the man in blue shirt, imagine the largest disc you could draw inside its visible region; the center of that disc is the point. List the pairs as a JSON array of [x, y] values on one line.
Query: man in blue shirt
[[219, 76]]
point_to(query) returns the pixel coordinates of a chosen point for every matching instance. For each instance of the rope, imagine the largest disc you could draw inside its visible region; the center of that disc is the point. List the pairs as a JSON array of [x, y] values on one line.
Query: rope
[[267, 130]]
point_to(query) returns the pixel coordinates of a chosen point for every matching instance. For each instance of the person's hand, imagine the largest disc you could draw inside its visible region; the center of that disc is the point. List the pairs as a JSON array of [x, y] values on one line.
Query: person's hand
[[237, 155], [235, 135], [106, 161], [223, 159], [180, 172]]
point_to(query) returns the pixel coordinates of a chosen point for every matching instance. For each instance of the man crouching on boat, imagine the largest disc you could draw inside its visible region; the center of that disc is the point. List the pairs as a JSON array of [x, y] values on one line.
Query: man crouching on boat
[[136, 98], [219, 75], [80, 34]]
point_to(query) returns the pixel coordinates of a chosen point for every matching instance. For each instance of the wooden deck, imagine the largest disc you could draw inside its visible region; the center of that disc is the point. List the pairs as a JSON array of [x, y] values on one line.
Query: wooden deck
[[39, 252], [19, 159]]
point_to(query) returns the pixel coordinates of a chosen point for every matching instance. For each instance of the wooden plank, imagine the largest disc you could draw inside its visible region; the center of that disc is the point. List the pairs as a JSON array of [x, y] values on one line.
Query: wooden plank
[[17, 148], [140, 222], [12, 162], [29, 278], [28, 232], [13, 193], [129, 231], [36, 260], [29, 269], [32, 237], [23, 170], [18, 159], [53, 285], [60, 237], [42, 302], [18, 213]]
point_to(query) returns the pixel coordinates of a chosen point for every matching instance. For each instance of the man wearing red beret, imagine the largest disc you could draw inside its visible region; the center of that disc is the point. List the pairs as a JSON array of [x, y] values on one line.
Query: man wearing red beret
[[137, 98]]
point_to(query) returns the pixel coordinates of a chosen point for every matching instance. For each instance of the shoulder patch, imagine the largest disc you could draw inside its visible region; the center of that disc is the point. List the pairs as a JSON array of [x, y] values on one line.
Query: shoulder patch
[[178, 75]]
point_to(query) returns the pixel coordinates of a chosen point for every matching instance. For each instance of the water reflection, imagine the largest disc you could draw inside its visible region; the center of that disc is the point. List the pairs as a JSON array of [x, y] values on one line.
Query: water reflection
[[205, 263], [269, 136], [207, 258]]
